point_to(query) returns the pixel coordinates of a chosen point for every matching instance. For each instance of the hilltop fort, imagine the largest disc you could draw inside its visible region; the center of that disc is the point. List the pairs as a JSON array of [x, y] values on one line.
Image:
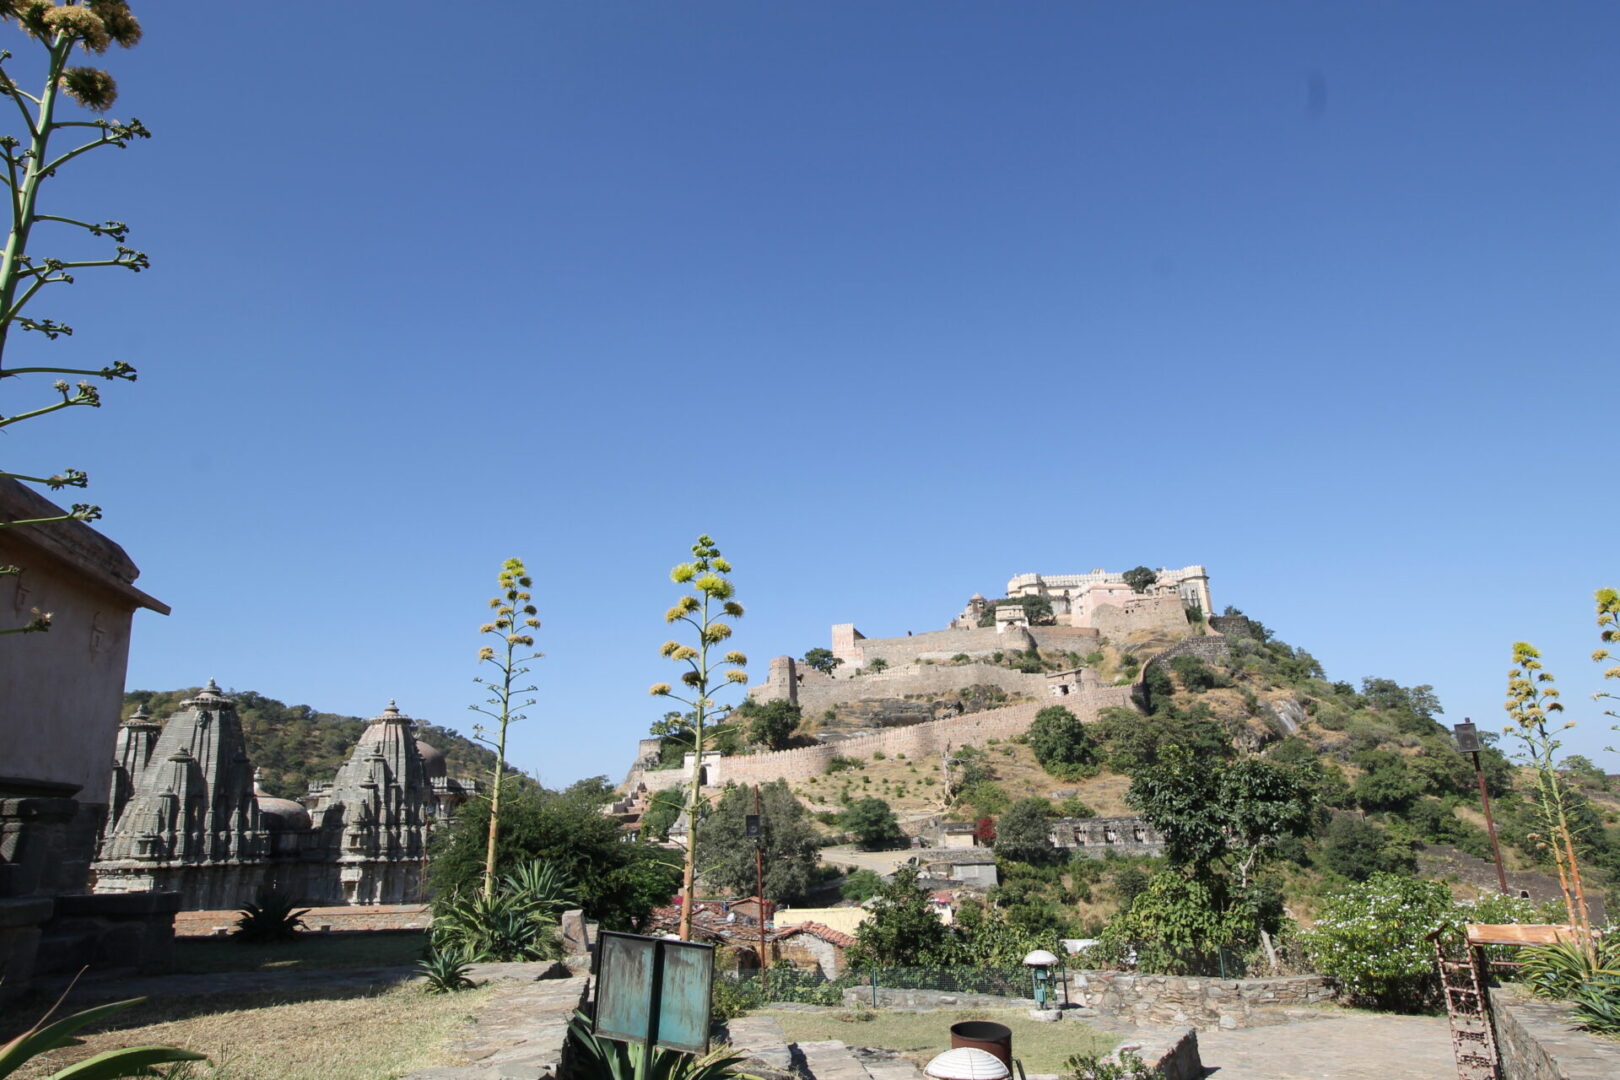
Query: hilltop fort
[[982, 677]]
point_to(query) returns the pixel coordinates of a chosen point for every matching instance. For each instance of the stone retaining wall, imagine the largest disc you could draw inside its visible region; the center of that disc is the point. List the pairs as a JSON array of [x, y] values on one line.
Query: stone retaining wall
[[1202, 1002], [915, 741], [1537, 1040], [359, 917], [932, 999]]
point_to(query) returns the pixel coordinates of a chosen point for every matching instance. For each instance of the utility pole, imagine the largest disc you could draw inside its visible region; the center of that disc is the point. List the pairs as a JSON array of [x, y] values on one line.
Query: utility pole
[[756, 830], [1469, 743]]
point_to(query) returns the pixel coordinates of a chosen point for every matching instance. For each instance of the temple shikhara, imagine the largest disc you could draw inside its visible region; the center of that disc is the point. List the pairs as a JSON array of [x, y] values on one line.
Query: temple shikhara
[[186, 815]]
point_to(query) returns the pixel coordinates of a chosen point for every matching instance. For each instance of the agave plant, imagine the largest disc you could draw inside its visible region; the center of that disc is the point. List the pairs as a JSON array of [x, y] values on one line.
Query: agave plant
[[595, 1058], [1597, 1004], [540, 887], [271, 917], [444, 972], [44, 1037], [1561, 969], [517, 922]]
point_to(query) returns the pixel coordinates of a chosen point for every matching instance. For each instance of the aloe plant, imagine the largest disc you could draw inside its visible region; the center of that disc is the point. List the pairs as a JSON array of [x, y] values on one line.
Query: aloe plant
[[44, 1037]]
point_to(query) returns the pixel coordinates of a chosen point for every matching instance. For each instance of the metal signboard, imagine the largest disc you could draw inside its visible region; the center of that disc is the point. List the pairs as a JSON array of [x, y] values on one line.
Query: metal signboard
[[654, 990], [751, 827]]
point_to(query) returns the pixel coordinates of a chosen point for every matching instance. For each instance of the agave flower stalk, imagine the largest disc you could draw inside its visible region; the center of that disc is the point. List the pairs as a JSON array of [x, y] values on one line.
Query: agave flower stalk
[[515, 616], [702, 609], [1531, 703], [29, 159]]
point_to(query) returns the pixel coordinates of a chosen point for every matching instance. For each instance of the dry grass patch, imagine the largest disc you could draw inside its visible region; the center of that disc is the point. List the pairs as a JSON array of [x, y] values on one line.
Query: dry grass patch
[[1042, 1047], [360, 1036]]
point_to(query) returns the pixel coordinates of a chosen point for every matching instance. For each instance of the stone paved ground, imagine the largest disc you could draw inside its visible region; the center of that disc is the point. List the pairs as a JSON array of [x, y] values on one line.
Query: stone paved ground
[[1333, 1046], [517, 1035]]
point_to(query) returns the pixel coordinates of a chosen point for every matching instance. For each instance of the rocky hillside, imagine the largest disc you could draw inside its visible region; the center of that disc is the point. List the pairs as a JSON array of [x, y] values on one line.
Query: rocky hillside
[[294, 744]]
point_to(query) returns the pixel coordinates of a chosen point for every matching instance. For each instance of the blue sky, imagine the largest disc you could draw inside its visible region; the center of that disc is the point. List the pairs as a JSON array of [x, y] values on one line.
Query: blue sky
[[895, 300]]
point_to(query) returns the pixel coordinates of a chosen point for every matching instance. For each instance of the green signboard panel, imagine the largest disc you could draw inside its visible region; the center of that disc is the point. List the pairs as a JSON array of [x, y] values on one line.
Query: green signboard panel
[[652, 988]]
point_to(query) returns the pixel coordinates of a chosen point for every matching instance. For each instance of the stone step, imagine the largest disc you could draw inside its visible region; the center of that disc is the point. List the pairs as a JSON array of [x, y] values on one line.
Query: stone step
[[831, 1060]]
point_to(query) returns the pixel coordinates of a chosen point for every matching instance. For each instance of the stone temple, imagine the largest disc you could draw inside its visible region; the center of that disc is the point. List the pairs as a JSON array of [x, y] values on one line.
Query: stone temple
[[186, 815]]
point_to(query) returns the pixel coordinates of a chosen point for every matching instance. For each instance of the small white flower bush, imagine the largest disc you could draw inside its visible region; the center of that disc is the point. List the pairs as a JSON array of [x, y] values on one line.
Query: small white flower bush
[[1374, 937]]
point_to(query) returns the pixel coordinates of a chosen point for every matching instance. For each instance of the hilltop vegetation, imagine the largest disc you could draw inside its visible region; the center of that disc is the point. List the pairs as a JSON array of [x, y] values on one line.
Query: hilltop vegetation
[[294, 744]]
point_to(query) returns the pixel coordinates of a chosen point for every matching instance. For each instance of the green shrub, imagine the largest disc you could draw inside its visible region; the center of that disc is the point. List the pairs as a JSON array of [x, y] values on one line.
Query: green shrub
[[1374, 937], [270, 918], [878, 755], [444, 972], [840, 764], [518, 921]]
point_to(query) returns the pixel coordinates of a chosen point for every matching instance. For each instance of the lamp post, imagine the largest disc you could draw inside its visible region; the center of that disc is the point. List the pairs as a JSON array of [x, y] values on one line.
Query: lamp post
[[1468, 742], [1040, 964]]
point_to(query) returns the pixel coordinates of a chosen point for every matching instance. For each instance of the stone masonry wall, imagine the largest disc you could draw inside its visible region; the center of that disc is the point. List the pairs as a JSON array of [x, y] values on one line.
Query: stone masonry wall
[[1212, 647], [1537, 1040], [925, 680], [1160, 612], [918, 740], [372, 917], [1201, 1002]]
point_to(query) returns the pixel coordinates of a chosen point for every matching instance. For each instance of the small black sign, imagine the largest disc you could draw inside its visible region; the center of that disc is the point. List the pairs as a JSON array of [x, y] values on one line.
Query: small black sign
[[751, 827]]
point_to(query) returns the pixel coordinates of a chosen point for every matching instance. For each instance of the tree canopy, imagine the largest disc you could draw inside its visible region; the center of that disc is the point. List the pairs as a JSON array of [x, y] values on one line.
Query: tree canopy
[[617, 882], [871, 823], [725, 854], [1060, 741]]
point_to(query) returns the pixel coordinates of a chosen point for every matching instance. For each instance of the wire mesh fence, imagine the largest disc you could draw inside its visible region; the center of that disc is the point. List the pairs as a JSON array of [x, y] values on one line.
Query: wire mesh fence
[[789, 984]]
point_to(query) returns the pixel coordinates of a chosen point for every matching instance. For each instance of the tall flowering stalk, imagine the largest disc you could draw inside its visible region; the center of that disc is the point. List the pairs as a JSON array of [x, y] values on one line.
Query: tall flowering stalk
[[1531, 703], [514, 617], [701, 609], [1608, 620], [33, 156]]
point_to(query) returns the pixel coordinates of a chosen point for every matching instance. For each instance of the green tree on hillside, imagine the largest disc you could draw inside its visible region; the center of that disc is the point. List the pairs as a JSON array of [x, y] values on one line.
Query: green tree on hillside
[[32, 157], [1023, 831], [1060, 741], [821, 660], [770, 725], [871, 823], [726, 854], [1038, 609], [1140, 578], [1209, 812], [903, 930], [711, 599]]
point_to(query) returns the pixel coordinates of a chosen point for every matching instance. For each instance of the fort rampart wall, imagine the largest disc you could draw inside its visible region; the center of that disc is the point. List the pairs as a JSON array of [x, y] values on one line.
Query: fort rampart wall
[[917, 740]]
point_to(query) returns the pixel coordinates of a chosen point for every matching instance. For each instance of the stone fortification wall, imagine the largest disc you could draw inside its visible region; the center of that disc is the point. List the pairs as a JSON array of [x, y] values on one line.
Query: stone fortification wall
[[1164, 611], [918, 740], [857, 651], [1213, 648], [1537, 1040], [816, 696], [1202, 1002]]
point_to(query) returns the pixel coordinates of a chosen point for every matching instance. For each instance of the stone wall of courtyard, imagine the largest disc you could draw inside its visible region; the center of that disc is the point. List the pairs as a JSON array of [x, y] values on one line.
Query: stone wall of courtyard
[[1201, 1002], [1537, 1040]]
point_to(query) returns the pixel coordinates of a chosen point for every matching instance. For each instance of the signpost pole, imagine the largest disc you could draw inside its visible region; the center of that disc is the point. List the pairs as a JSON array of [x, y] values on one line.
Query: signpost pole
[[644, 1065]]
